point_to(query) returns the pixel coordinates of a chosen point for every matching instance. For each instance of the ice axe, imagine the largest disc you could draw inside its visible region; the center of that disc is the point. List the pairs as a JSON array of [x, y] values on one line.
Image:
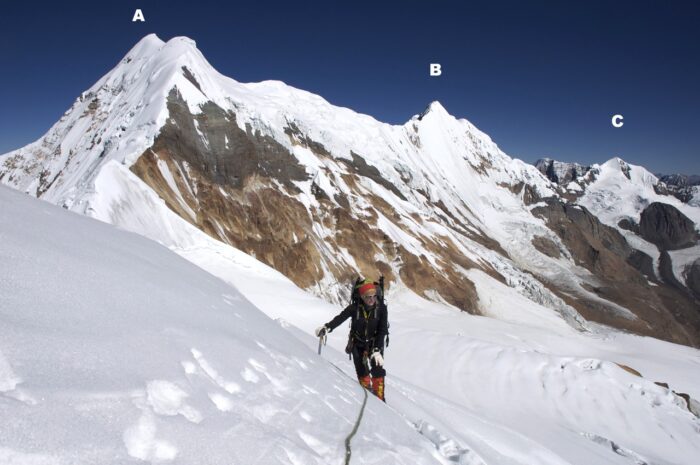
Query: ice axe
[[322, 340]]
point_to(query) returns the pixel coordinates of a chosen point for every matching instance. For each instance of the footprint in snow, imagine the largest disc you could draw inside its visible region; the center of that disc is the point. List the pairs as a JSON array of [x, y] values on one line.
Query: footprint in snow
[[8, 379], [250, 375], [222, 402], [257, 365], [229, 386], [141, 443], [301, 364], [166, 398]]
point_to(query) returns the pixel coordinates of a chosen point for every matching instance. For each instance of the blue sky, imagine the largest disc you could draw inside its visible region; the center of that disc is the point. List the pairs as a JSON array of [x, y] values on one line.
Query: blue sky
[[541, 78]]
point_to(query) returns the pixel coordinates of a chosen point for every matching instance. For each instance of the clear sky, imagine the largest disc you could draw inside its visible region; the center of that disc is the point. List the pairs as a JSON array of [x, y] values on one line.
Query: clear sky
[[541, 78]]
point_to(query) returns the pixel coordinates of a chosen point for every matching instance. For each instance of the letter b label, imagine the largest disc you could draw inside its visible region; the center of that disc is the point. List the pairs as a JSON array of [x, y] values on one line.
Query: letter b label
[[435, 69]]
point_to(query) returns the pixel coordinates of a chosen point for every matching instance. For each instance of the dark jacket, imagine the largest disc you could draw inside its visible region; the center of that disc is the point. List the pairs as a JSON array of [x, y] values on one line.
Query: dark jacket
[[368, 328]]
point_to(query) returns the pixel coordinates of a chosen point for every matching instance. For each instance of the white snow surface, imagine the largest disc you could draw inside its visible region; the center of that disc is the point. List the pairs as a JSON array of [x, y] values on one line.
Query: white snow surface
[[115, 350]]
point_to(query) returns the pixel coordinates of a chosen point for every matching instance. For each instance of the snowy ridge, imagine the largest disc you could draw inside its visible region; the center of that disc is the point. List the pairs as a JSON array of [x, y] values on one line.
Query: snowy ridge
[[94, 130], [433, 158]]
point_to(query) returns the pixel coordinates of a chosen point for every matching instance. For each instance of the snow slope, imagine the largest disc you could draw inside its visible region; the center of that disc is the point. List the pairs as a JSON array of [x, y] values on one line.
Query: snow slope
[[115, 350]]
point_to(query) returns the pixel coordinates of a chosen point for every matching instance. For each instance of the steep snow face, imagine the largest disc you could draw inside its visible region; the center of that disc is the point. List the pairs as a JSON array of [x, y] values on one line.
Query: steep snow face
[[114, 350]]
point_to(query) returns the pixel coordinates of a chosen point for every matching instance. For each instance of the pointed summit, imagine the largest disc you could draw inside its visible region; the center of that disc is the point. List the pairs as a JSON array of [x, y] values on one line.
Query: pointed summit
[[435, 107]]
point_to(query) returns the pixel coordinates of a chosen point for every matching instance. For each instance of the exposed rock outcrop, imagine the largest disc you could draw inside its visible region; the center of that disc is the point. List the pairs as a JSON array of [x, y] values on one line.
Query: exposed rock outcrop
[[664, 225], [560, 172], [546, 246], [629, 225], [693, 278], [691, 404], [642, 263]]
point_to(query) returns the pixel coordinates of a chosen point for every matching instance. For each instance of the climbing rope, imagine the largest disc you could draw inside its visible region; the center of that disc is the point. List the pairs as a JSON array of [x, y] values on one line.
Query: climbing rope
[[348, 450]]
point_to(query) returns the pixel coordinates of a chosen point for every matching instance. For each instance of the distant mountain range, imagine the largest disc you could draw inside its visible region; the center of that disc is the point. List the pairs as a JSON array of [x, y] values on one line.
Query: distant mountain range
[[679, 180], [683, 187]]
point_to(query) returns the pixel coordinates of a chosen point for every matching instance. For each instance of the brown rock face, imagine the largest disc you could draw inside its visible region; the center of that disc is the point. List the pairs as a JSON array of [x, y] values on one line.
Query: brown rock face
[[238, 187], [664, 225], [227, 155], [663, 310], [546, 246]]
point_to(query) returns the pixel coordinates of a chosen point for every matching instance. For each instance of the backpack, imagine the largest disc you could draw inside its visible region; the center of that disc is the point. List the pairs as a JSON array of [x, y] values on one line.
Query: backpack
[[355, 301]]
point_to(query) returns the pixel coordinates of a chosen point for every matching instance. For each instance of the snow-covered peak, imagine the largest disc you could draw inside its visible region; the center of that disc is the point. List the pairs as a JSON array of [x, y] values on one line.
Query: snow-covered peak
[[145, 47], [618, 170], [151, 46], [117, 119], [622, 191], [434, 109]]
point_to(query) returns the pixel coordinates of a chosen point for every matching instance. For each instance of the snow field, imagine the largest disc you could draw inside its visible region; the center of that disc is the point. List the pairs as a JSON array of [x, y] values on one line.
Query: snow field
[[115, 350]]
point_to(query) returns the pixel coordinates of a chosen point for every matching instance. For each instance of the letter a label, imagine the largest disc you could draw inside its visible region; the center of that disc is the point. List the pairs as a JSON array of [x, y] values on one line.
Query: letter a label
[[138, 16], [435, 69]]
